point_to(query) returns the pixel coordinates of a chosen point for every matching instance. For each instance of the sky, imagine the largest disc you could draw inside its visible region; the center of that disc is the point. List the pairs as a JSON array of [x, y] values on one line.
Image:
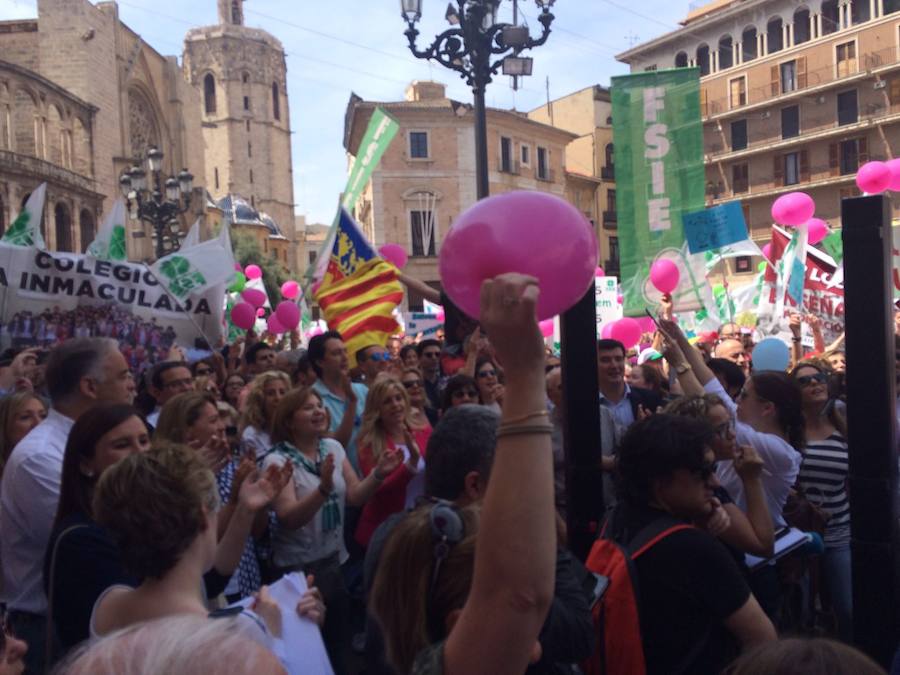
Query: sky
[[346, 46]]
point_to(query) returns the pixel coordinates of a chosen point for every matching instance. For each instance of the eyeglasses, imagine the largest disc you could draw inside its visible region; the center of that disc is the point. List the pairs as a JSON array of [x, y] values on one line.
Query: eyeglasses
[[806, 380], [470, 393], [725, 430], [412, 384], [382, 356], [488, 373]]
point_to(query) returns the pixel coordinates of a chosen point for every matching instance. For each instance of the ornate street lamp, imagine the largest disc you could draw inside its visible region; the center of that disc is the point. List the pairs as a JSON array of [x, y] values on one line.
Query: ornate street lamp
[[477, 47], [150, 205]]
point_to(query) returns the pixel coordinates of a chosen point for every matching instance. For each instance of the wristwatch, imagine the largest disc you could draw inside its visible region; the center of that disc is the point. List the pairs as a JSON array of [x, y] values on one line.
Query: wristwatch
[[682, 368]]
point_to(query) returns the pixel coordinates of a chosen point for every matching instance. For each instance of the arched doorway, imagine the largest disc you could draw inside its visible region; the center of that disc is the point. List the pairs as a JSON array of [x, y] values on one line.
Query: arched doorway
[[63, 227], [86, 229]]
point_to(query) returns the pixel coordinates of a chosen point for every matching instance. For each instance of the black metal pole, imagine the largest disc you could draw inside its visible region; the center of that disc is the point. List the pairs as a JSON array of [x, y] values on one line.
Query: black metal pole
[[482, 186], [581, 423], [872, 424]]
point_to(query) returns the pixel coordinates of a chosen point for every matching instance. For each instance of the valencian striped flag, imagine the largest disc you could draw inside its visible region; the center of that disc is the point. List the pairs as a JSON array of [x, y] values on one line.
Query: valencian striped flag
[[359, 290]]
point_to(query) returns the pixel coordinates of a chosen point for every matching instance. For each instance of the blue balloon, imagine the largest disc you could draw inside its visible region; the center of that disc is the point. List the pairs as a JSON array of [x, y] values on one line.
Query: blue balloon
[[771, 354]]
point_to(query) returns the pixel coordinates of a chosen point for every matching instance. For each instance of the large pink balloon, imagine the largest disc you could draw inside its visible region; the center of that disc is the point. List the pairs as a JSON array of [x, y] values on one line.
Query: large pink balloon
[[894, 166], [243, 315], [767, 250], [290, 289], [274, 325], [547, 328], [394, 254], [526, 232], [646, 324], [627, 331], [817, 230], [873, 177], [606, 330], [253, 271], [794, 208], [254, 296], [664, 275], [288, 314]]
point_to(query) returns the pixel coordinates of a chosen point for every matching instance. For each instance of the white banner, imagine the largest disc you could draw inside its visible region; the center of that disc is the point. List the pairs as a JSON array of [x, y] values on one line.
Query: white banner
[[606, 296]]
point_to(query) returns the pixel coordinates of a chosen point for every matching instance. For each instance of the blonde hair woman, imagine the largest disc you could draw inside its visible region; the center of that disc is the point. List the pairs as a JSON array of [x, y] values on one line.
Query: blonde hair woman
[[266, 391], [388, 425], [19, 414]]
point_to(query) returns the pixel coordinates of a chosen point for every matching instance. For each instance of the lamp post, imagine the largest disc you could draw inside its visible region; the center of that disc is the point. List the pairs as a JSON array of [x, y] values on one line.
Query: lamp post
[[147, 203], [468, 47]]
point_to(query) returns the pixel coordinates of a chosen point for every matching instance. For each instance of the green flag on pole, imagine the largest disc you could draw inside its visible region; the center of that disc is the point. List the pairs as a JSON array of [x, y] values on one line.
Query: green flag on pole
[[658, 138]]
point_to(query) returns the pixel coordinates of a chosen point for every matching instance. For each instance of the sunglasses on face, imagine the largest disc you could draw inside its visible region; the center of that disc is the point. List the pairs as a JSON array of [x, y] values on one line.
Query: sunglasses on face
[[470, 393], [380, 357], [204, 371], [412, 384], [488, 373], [806, 380]]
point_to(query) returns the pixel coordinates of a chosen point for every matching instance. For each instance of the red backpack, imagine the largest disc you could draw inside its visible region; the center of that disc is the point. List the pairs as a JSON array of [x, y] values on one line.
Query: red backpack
[[616, 615]]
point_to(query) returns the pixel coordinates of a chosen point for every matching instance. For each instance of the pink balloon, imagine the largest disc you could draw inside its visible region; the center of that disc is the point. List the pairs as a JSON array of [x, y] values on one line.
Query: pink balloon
[[315, 331], [440, 316], [767, 250], [532, 233], [873, 177], [288, 314], [664, 275], [646, 324], [394, 254], [254, 296], [794, 208], [606, 330], [817, 230], [620, 298], [275, 325], [260, 312], [627, 331], [546, 328], [599, 272], [243, 315], [894, 166], [253, 271], [290, 289]]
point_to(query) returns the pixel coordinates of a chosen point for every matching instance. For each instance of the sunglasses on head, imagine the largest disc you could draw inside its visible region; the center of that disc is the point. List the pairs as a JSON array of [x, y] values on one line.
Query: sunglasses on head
[[806, 380]]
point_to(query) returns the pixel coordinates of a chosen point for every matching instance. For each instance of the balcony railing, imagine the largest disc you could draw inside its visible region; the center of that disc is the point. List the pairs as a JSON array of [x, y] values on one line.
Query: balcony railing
[[608, 172], [510, 166], [609, 220], [548, 175], [762, 93], [44, 170]]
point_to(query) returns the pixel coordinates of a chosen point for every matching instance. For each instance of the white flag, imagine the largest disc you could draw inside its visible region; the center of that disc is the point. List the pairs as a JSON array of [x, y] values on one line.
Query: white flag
[[192, 238], [109, 244], [25, 229], [197, 268]]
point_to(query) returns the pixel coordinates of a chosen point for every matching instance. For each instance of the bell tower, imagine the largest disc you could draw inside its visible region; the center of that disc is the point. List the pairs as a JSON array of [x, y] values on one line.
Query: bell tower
[[231, 12]]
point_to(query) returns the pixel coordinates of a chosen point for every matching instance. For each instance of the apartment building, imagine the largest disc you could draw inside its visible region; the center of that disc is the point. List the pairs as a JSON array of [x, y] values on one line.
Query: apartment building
[[590, 168], [794, 96], [426, 178]]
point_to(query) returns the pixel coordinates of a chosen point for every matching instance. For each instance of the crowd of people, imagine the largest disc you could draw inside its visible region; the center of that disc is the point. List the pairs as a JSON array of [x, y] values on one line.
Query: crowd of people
[[422, 497]]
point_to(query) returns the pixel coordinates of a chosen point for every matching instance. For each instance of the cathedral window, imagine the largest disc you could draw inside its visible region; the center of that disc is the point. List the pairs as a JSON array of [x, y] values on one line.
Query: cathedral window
[[246, 103], [276, 104], [209, 94]]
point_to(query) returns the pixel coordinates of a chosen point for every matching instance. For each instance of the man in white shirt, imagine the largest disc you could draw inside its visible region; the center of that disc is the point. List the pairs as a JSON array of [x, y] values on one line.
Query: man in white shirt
[[80, 373]]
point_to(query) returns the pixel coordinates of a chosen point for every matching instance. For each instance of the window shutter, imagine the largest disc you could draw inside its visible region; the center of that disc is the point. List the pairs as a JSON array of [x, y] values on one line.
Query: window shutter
[[833, 166], [801, 72], [776, 80], [804, 166], [862, 146], [778, 170]]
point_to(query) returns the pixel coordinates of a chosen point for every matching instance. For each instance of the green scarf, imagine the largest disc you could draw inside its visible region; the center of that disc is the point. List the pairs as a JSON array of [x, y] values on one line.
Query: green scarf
[[331, 511]]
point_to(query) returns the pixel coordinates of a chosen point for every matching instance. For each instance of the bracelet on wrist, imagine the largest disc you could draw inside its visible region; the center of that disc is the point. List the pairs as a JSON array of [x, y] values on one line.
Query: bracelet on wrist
[[543, 412], [523, 429]]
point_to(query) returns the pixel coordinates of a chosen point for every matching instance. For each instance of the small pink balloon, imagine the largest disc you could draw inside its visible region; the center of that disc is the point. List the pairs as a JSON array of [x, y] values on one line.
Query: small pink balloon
[[620, 298], [794, 208], [599, 272], [290, 289], [394, 254], [546, 327], [606, 330], [440, 316], [254, 296], [767, 250], [253, 271], [664, 275], [627, 331], [894, 166], [288, 314], [873, 177], [274, 325], [817, 230], [260, 312], [243, 315], [510, 232]]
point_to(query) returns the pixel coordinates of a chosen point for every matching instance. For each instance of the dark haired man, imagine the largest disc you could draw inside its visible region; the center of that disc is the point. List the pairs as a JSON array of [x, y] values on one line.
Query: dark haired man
[[80, 373], [259, 358], [429, 352], [371, 361], [344, 400], [696, 610], [623, 401], [167, 380]]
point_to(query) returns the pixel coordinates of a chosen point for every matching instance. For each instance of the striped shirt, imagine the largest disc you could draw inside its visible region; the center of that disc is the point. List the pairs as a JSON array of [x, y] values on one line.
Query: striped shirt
[[823, 476]]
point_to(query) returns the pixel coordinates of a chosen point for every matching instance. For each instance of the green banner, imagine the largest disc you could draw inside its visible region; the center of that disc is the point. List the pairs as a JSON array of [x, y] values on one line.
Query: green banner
[[379, 134], [658, 138]]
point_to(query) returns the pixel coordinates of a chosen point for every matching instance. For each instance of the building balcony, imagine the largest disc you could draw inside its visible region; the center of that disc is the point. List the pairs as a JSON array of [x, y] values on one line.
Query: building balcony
[[870, 66], [820, 176], [547, 175], [509, 166], [609, 220], [42, 170], [608, 172]]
